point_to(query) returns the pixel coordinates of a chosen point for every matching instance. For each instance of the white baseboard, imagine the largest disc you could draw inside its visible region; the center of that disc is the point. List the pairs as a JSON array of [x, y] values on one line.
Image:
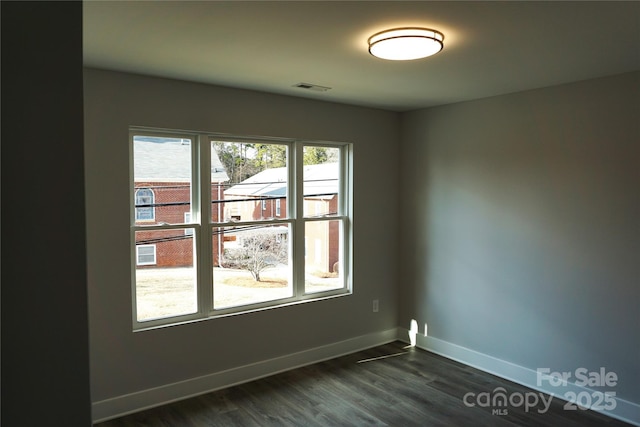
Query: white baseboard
[[624, 410], [126, 404]]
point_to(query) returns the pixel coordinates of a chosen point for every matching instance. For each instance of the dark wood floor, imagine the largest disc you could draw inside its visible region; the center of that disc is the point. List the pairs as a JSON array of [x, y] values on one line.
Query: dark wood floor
[[388, 385]]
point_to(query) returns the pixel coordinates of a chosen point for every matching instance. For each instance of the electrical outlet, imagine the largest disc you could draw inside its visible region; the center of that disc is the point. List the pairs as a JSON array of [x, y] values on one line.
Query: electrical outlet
[[375, 305]]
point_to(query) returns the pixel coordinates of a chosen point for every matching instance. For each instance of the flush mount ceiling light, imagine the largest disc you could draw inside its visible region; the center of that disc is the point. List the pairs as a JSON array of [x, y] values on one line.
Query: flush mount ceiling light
[[403, 44]]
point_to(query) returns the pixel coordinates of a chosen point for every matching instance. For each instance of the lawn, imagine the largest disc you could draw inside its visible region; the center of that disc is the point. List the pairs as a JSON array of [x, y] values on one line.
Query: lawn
[[162, 292]]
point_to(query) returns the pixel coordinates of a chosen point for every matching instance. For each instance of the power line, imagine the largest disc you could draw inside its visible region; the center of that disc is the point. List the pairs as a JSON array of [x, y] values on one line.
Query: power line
[[216, 231], [250, 199]]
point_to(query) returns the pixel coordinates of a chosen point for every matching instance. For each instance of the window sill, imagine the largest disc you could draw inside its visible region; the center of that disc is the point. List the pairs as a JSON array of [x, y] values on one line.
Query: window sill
[[217, 315]]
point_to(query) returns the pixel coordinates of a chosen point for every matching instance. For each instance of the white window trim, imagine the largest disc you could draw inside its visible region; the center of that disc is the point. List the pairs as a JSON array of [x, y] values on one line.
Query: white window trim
[[201, 208]]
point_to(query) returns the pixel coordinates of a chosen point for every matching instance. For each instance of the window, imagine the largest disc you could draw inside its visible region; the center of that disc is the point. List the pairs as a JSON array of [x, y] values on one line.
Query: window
[[215, 249], [144, 204], [145, 254], [187, 220]]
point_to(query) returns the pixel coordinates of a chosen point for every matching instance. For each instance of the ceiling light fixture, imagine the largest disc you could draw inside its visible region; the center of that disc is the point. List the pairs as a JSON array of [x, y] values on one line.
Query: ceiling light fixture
[[403, 44]]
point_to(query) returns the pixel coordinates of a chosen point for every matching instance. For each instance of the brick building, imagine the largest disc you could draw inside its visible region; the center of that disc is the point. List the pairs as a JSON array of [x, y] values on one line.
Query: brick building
[[162, 194]]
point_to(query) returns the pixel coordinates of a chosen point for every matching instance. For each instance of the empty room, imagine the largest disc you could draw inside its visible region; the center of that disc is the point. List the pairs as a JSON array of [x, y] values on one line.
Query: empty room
[[267, 213]]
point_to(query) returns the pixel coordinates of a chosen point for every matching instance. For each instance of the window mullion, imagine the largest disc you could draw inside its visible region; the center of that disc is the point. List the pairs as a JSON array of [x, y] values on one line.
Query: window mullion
[[202, 162], [296, 177]]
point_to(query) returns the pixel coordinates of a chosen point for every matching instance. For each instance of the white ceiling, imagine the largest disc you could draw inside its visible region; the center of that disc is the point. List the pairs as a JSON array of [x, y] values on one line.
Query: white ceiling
[[491, 48]]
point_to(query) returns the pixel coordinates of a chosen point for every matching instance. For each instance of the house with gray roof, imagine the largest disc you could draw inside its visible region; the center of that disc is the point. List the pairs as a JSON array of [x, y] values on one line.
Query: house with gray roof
[[264, 196]]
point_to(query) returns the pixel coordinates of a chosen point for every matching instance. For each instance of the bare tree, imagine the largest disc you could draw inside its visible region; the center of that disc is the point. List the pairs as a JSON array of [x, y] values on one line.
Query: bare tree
[[257, 251]]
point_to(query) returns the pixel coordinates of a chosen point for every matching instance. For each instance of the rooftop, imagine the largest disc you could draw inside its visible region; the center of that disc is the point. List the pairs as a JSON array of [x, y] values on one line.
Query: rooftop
[[321, 179], [169, 160]]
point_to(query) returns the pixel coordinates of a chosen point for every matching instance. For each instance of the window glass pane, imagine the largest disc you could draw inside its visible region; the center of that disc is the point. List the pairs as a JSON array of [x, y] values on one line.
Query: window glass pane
[[323, 255], [254, 266], [220, 178], [255, 177], [321, 180], [165, 274], [162, 178]]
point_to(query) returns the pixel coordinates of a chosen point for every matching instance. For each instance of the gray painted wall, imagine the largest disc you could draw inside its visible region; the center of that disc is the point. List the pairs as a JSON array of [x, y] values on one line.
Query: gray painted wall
[[521, 235], [124, 362]]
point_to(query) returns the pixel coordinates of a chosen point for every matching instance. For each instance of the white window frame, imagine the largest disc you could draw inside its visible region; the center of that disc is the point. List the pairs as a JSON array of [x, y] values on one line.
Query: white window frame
[[155, 258], [278, 207], [294, 218]]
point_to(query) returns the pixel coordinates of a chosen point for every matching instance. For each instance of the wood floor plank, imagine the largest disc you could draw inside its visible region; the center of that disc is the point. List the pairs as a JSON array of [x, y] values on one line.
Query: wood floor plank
[[389, 385]]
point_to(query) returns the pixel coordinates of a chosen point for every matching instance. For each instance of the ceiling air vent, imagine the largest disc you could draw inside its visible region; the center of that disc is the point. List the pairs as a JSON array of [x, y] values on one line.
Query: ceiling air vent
[[309, 86]]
